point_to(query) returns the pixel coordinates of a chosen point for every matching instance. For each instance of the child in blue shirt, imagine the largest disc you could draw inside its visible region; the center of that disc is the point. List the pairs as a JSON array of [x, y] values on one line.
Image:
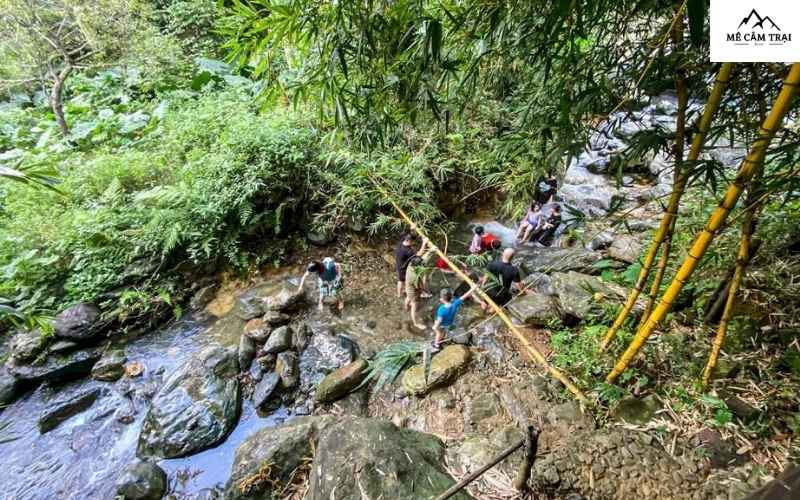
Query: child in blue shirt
[[446, 314]]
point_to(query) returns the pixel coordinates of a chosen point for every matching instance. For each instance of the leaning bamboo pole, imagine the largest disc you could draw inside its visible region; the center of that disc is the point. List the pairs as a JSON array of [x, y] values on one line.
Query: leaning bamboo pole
[[538, 356], [671, 212], [661, 269], [750, 167]]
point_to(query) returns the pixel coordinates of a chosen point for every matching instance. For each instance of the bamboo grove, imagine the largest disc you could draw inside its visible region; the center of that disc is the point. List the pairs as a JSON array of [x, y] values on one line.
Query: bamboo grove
[[560, 67]]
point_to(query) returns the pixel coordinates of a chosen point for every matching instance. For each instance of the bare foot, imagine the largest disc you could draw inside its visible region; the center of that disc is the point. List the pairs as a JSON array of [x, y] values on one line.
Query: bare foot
[[420, 326], [340, 306]]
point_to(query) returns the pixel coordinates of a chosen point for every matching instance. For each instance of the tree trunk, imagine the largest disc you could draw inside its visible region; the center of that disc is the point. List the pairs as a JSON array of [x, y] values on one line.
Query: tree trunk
[[55, 98]]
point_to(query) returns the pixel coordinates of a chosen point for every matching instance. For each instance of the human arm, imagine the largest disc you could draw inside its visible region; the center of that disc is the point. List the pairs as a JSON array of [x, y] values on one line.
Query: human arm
[[302, 281], [339, 273], [469, 292]]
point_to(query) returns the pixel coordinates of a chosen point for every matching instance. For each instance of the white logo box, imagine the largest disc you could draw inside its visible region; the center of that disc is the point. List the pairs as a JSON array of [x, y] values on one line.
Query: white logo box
[[755, 31]]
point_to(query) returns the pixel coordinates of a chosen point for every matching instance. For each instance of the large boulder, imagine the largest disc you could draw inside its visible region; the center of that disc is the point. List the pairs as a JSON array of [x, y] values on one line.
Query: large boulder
[[265, 461], [57, 368], [111, 366], [535, 309], [26, 345], [360, 458], [445, 368], [339, 383], [625, 248], [142, 481], [580, 294], [65, 407], [77, 322], [195, 408], [550, 260]]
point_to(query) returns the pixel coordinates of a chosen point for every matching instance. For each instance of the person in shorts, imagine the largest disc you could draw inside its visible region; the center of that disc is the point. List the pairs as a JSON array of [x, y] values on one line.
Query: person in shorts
[[446, 314], [402, 256], [414, 285], [329, 273]]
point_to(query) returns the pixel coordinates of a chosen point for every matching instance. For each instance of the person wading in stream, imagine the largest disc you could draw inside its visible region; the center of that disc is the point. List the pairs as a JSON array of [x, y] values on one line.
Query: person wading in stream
[[505, 276], [330, 280], [446, 315], [402, 256]]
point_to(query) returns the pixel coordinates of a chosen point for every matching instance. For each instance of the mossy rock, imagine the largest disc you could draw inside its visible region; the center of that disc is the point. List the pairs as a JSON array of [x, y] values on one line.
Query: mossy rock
[[446, 367], [339, 383]]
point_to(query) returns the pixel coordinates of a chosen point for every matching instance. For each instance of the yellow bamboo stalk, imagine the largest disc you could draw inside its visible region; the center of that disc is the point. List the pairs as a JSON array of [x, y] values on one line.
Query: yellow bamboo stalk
[[723, 77], [750, 167], [538, 356], [661, 268]]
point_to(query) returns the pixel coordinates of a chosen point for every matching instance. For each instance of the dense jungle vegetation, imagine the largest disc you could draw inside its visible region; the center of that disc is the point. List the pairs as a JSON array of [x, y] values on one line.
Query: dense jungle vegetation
[[191, 137]]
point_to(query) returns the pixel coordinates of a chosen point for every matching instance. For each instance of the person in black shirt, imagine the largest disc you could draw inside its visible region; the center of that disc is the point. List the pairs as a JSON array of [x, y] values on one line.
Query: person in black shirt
[[546, 187], [402, 256], [505, 276], [547, 229]]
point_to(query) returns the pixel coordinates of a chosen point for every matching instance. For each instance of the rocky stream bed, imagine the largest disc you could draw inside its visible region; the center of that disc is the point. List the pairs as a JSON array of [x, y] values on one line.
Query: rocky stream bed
[[255, 394]]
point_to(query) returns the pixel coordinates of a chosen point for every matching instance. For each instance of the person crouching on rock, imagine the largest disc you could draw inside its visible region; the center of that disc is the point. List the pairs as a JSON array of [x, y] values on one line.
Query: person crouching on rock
[[446, 315], [330, 280]]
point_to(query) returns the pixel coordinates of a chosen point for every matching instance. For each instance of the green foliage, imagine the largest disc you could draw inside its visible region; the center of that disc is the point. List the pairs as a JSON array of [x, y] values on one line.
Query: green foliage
[[386, 365]]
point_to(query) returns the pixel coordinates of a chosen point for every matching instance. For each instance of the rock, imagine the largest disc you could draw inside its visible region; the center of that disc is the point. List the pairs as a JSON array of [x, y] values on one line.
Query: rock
[[721, 453], [195, 408], [202, 297], [446, 366], [275, 318], [534, 309], [636, 410], [265, 389], [257, 329], [63, 408], [601, 241], [134, 369], [324, 353], [77, 322], [246, 352], [300, 337], [110, 367], [579, 294], [284, 301], [62, 346], [539, 283], [57, 367], [248, 307], [26, 345], [360, 458], [279, 340], [142, 481], [286, 366], [321, 238], [549, 260], [625, 248], [337, 384], [278, 451], [481, 407], [460, 335], [742, 409], [9, 387], [255, 371], [594, 201]]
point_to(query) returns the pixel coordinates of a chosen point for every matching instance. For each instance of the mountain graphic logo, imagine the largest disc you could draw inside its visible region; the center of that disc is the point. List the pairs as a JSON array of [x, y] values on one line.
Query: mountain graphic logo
[[758, 22]]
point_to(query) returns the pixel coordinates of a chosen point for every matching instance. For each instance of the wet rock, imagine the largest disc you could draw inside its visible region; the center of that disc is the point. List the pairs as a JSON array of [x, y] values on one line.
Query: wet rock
[[279, 340], [324, 353], [77, 322], [267, 459], [9, 387], [63, 408], [635, 410], [142, 481], [625, 248], [266, 361], [549, 260], [275, 318], [286, 366], [300, 337], [195, 408], [337, 384], [534, 309], [601, 241], [202, 297], [255, 371], [62, 346], [257, 329], [110, 367], [246, 352], [389, 462], [248, 307], [446, 366], [460, 335], [265, 389], [284, 301], [26, 345], [57, 368], [539, 283]]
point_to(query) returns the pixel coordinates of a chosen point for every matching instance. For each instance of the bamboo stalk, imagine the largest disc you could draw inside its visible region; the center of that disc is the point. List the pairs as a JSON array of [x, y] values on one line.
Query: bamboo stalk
[[750, 167], [477, 473], [661, 269], [538, 356], [714, 99]]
